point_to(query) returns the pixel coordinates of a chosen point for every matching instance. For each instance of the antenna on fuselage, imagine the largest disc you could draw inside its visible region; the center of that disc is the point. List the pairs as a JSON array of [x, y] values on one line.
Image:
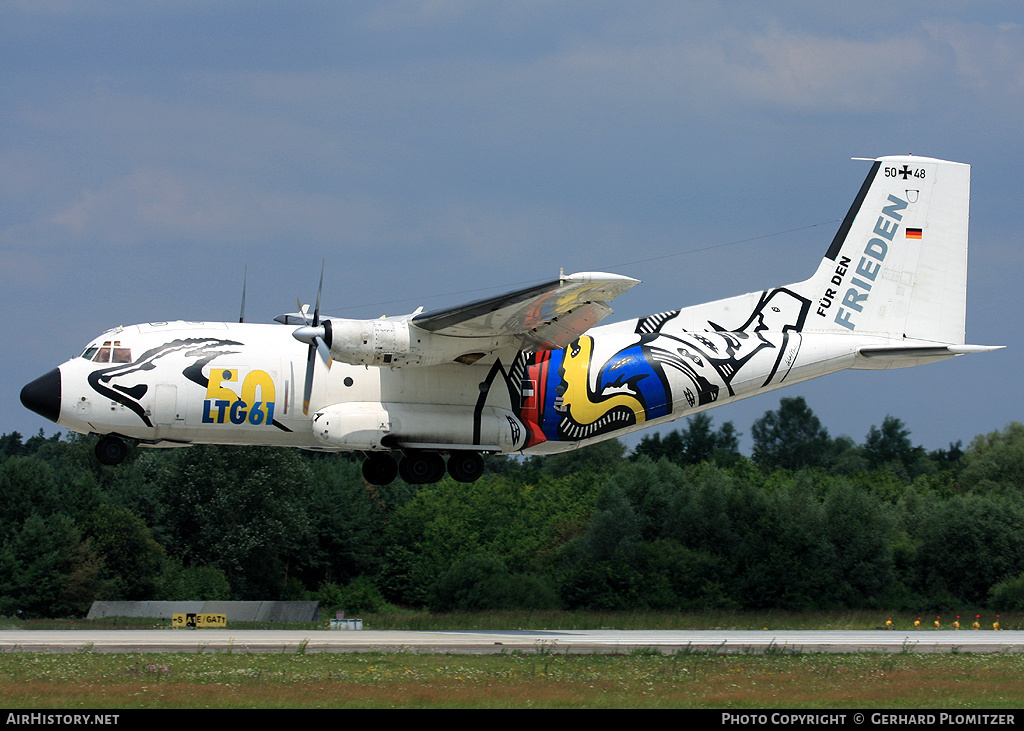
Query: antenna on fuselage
[[245, 277]]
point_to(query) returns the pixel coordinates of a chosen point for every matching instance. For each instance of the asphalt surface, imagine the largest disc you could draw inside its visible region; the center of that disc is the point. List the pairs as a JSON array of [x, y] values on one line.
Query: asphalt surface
[[497, 641]]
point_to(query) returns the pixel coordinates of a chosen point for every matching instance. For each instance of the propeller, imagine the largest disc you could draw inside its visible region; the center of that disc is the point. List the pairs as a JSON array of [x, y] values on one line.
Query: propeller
[[318, 338]]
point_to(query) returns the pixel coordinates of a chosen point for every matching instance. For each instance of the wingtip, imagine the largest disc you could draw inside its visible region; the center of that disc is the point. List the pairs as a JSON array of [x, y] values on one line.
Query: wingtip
[[606, 277]]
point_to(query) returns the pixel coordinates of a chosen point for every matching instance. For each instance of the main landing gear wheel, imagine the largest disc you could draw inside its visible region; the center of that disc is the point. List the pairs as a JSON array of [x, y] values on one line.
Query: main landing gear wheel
[[421, 468], [111, 450], [380, 469], [465, 466]]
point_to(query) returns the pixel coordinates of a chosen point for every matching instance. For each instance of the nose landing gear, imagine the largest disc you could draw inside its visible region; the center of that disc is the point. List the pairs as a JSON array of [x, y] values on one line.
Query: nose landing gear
[[111, 450]]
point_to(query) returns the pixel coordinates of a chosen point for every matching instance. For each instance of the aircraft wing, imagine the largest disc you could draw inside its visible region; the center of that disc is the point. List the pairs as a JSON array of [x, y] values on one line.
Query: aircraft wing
[[547, 316]]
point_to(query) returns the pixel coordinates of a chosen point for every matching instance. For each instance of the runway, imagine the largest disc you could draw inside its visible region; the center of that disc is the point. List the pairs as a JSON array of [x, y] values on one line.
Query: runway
[[609, 642]]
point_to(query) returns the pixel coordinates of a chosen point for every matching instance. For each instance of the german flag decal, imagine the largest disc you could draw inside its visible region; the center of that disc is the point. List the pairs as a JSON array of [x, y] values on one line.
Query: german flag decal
[[914, 233]]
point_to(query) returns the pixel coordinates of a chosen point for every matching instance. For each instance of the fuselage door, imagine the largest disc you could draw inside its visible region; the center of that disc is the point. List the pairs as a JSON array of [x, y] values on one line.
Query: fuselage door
[[165, 405]]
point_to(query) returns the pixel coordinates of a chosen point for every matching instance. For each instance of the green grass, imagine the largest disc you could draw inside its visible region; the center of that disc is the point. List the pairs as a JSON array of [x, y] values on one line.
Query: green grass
[[541, 679], [712, 620]]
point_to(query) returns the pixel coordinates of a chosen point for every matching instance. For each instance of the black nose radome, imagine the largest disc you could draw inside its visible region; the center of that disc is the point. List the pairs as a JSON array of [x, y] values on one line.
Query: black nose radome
[[43, 395]]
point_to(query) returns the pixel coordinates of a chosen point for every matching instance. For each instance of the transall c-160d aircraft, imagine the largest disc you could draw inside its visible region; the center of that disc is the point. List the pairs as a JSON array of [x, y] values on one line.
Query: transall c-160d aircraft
[[528, 372]]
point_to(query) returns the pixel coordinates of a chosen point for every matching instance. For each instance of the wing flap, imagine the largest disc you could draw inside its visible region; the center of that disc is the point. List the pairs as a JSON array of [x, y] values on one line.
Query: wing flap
[[561, 331]]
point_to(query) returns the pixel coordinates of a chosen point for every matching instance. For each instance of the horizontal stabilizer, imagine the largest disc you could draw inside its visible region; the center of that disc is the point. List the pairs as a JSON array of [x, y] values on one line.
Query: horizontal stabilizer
[[912, 353], [926, 351]]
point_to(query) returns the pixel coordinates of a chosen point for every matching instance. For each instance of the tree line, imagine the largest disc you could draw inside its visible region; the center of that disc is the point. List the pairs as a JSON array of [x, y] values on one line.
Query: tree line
[[683, 521]]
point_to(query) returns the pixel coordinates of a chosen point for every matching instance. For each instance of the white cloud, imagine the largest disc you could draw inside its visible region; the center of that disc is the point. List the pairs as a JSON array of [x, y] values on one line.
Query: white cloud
[[158, 201], [989, 60]]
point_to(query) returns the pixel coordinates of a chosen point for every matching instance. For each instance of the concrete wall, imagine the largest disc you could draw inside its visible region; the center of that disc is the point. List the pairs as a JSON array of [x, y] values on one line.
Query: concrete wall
[[234, 611]]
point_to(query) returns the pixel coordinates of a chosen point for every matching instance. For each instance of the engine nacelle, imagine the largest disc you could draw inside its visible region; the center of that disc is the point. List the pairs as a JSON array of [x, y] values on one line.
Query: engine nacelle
[[397, 342], [369, 426], [373, 342]]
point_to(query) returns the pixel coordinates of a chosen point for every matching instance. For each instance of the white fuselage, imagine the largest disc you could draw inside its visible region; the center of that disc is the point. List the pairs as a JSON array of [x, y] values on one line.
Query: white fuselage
[[240, 383]]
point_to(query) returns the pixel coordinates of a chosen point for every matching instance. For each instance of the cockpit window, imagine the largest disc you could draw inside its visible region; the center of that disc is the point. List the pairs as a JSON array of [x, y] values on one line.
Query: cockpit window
[[108, 352]]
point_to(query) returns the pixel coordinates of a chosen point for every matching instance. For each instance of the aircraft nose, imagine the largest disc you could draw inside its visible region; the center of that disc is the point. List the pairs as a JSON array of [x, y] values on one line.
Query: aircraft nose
[[43, 395]]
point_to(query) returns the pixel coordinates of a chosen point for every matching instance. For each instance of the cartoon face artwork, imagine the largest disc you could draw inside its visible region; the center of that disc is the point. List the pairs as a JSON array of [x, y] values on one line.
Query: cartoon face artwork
[[577, 393], [594, 398], [779, 310]]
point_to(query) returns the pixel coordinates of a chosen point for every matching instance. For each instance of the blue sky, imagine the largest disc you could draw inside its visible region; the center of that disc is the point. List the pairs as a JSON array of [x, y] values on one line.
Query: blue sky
[[438, 151]]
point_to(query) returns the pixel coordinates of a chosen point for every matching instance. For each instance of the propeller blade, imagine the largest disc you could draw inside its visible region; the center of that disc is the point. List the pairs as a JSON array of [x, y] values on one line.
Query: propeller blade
[[320, 348], [314, 335], [307, 391], [316, 312], [323, 351]]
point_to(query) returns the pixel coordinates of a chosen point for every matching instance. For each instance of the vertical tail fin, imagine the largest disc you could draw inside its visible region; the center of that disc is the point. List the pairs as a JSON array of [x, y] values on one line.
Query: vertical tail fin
[[898, 265]]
